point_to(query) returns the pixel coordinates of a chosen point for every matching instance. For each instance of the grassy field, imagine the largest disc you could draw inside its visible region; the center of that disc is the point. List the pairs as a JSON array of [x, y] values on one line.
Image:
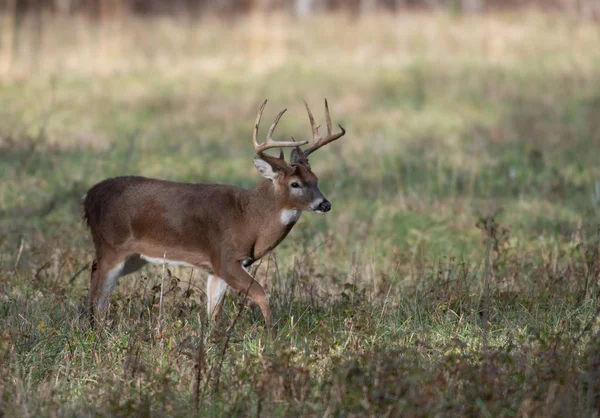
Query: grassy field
[[457, 274]]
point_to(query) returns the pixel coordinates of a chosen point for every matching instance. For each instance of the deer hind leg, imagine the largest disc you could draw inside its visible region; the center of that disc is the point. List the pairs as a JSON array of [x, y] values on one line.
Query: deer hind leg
[[215, 296], [105, 273], [92, 291], [103, 281]]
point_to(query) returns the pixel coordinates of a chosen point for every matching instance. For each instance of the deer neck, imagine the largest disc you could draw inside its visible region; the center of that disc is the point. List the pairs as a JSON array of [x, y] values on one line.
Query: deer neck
[[268, 211]]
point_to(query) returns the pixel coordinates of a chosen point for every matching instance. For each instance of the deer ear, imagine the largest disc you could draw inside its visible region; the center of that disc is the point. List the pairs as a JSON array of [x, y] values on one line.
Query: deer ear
[[294, 156], [267, 170], [297, 157]]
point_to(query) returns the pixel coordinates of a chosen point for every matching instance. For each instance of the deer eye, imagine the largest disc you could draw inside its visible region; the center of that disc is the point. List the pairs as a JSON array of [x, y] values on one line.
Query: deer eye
[[295, 185]]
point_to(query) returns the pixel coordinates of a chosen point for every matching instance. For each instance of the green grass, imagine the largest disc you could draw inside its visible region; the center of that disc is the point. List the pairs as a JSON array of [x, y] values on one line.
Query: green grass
[[456, 275]]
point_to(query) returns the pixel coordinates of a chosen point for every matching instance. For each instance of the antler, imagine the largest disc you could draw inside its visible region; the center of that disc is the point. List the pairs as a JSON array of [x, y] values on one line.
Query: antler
[[318, 140], [269, 143]]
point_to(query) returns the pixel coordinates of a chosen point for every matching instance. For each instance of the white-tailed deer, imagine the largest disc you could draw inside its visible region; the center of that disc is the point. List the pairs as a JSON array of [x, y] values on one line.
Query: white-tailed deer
[[135, 220]]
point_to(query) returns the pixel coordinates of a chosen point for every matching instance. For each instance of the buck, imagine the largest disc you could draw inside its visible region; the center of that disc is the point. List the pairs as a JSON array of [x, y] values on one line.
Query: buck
[[223, 228]]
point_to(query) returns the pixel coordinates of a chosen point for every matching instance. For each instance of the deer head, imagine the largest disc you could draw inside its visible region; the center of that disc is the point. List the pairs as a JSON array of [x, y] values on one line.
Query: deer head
[[295, 182]]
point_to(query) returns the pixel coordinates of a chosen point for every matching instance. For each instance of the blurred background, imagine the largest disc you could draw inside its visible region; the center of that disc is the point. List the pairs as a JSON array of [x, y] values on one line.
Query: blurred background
[[467, 186], [455, 109]]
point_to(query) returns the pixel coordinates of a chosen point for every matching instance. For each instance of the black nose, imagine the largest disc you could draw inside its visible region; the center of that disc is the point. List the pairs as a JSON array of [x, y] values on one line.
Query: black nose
[[325, 206]]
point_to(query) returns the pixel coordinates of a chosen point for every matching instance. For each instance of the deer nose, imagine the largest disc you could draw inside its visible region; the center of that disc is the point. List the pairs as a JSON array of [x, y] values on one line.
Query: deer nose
[[325, 206]]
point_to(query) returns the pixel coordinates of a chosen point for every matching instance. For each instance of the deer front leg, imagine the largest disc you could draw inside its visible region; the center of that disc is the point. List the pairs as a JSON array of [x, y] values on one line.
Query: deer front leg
[[239, 279]]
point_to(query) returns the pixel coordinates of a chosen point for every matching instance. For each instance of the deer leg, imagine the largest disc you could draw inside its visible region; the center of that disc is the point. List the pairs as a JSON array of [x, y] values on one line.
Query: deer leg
[[92, 291], [103, 285], [238, 278], [105, 272], [215, 296]]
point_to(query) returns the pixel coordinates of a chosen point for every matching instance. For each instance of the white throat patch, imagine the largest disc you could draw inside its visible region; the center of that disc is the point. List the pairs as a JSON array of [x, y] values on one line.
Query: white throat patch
[[289, 216]]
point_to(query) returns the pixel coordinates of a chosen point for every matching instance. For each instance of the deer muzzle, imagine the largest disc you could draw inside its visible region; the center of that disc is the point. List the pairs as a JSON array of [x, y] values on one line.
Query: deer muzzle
[[323, 206]]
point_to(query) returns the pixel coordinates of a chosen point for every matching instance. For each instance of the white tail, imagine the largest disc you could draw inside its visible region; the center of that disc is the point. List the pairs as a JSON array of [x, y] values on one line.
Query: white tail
[[136, 220]]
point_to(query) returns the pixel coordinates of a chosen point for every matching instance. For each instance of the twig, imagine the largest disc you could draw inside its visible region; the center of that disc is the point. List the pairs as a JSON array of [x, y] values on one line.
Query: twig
[[200, 363], [162, 284], [41, 268], [256, 266], [193, 285], [385, 301], [486, 286], [314, 250], [189, 283], [74, 276], [18, 255]]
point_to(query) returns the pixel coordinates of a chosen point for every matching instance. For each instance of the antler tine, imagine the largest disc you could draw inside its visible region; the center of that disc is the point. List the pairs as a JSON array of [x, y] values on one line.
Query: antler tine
[[315, 129], [273, 126], [327, 118], [256, 123], [269, 143], [319, 141]]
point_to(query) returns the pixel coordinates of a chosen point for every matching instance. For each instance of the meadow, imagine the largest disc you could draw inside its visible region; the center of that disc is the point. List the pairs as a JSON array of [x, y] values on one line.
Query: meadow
[[456, 275]]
